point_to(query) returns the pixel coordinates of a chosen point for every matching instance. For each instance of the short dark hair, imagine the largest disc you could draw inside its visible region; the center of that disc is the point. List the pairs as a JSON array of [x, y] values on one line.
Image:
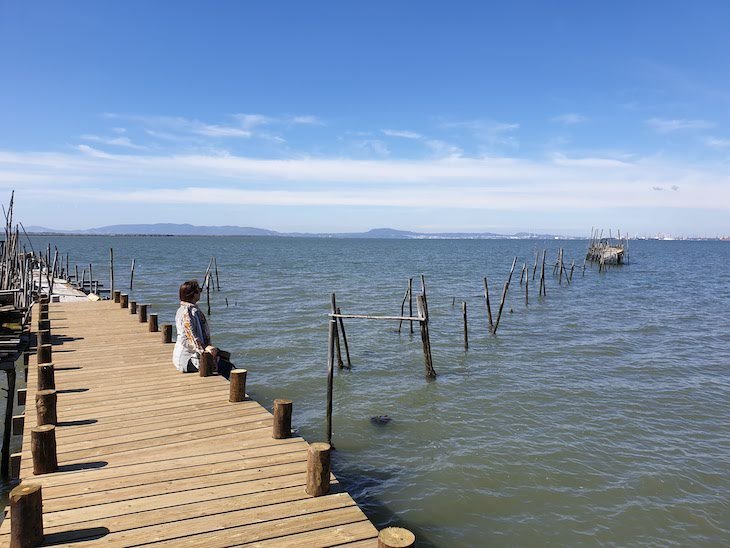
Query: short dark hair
[[188, 290]]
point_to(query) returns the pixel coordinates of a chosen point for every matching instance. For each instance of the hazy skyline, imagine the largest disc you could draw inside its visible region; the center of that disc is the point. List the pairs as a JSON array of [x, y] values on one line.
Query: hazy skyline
[[336, 117]]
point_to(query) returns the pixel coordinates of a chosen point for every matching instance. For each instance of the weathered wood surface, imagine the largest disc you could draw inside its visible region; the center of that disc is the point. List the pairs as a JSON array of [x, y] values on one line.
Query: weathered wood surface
[[148, 455]]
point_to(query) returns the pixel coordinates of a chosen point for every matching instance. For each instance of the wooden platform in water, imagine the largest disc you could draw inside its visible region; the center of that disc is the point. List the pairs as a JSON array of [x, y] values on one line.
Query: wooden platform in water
[[148, 455]]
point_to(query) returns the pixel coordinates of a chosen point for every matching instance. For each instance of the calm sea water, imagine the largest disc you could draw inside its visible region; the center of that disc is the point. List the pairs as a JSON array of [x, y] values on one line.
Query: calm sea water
[[599, 414]]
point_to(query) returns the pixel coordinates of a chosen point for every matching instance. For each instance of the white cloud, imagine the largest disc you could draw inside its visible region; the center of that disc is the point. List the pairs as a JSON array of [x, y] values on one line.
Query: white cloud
[[220, 131], [664, 126], [307, 120], [113, 141], [720, 144], [404, 134], [569, 119]]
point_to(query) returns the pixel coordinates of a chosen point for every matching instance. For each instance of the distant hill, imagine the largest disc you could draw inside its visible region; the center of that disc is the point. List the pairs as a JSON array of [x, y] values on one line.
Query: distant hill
[[172, 229]]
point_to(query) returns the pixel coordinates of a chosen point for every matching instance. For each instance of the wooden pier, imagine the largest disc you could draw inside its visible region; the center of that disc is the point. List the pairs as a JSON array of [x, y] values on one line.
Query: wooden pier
[[147, 455]]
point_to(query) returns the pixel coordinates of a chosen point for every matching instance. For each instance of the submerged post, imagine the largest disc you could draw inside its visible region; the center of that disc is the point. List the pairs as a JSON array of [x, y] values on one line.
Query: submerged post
[[425, 339], [344, 340], [504, 296], [330, 376], [340, 364], [466, 327], [489, 307]]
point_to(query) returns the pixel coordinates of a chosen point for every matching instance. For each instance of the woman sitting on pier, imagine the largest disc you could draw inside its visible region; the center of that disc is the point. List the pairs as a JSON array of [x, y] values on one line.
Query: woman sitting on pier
[[193, 335]]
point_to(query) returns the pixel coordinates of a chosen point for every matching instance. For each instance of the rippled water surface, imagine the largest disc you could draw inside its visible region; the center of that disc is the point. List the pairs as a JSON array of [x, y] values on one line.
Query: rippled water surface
[[599, 414]]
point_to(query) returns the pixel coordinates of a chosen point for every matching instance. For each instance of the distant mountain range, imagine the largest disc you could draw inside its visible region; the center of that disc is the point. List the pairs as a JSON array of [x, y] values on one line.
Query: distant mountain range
[[171, 229]]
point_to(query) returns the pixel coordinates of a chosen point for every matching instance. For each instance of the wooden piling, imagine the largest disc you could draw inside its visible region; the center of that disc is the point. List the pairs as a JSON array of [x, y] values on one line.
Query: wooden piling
[[340, 363], [131, 275], [205, 366], [489, 307], [542, 274], [142, 312], [46, 405], [504, 296], [167, 333], [282, 419], [318, 469], [43, 449], [153, 328], [522, 273], [330, 375], [117, 295], [26, 516], [466, 326], [46, 376], [410, 303], [396, 537], [45, 354], [534, 268], [527, 292], [425, 338], [402, 309], [237, 391], [344, 340], [124, 300], [111, 272], [133, 307]]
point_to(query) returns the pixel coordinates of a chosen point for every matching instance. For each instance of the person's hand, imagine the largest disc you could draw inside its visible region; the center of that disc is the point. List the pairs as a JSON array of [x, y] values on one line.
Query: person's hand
[[212, 350]]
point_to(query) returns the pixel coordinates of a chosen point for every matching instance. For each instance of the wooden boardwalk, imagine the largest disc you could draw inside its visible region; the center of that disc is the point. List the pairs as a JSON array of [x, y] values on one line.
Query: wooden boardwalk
[[148, 455]]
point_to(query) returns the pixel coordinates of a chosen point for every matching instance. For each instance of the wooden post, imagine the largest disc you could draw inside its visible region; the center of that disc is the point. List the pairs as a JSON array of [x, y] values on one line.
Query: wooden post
[[522, 274], [26, 516], [572, 267], [560, 265], [205, 368], [124, 300], [207, 295], [46, 376], [131, 276], [340, 364], [111, 273], [489, 307], [15, 459], [153, 323], [45, 406], [167, 333], [425, 339], [237, 390], [466, 327], [117, 296], [410, 303], [318, 469], [534, 268], [132, 307], [504, 296], [91, 277], [43, 337], [542, 274], [18, 424], [76, 275], [330, 375], [527, 292], [344, 340], [217, 281], [396, 537], [402, 309], [142, 310], [44, 354], [43, 449], [282, 419]]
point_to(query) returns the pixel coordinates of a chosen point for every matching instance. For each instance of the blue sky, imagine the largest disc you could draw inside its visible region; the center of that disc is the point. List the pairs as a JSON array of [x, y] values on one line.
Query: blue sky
[[333, 116]]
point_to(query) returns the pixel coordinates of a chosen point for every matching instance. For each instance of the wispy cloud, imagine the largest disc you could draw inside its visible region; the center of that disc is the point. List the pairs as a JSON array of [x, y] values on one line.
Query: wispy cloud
[[403, 134], [307, 120], [113, 141], [489, 132], [716, 143], [442, 149], [569, 119], [664, 126]]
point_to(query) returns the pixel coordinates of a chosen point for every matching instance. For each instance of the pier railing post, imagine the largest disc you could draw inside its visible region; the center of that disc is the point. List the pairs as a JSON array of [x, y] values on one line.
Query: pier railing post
[[318, 469], [26, 516], [237, 390], [282, 419], [43, 449]]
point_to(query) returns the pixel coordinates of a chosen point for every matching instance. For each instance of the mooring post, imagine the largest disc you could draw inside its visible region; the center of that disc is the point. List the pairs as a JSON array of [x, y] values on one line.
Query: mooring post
[[330, 375], [396, 537], [344, 340], [117, 295], [43, 449], [46, 376], [542, 275], [237, 390], [318, 469], [504, 296], [489, 307], [45, 405], [133, 307], [423, 322], [466, 327], [205, 366], [153, 323], [44, 354], [131, 276], [26, 516], [410, 303], [124, 300], [111, 273], [402, 309], [142, 310], [282, 419], [167, 333], [527, 292]]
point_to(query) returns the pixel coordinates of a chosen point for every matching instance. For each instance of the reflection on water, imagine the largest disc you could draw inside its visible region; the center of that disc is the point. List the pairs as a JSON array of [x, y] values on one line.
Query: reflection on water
[[597, 415]]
